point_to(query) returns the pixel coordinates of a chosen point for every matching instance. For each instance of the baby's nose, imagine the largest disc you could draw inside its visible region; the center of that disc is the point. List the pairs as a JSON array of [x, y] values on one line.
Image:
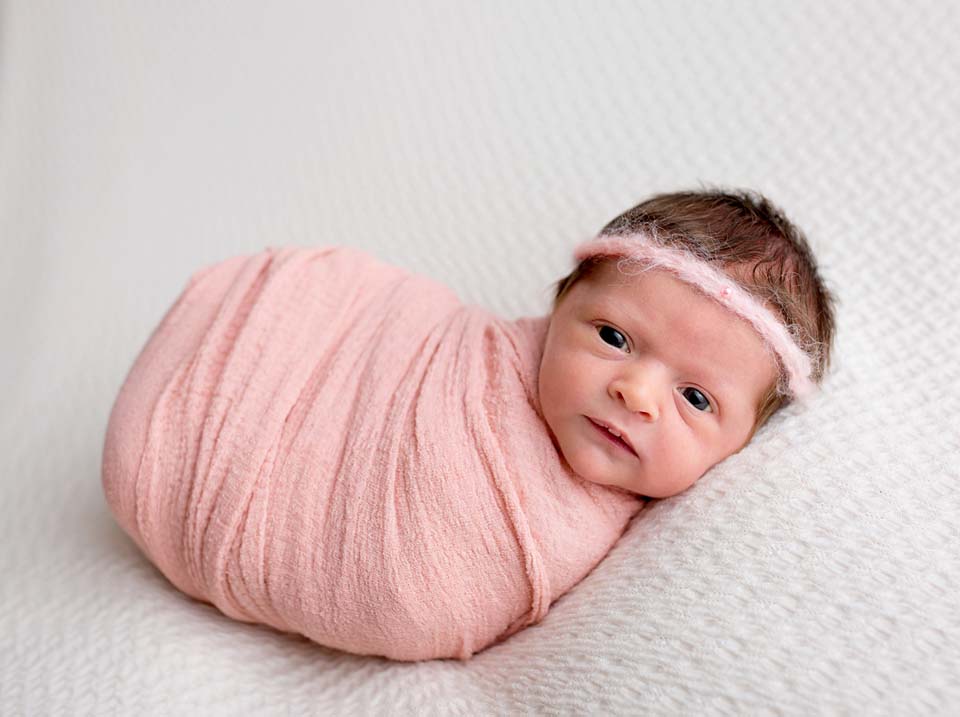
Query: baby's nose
[[639, 393]]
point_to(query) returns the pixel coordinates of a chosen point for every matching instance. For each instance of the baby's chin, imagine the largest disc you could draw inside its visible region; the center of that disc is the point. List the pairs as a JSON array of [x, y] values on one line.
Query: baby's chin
[[588, 464], [596, 470]]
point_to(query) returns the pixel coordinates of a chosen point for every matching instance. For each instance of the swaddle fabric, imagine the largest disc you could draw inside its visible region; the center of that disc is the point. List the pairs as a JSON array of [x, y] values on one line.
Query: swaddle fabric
[[318, 441]]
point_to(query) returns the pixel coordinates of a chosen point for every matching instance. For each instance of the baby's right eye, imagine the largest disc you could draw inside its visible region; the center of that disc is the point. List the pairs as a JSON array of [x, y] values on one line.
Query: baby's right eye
[[614, 333]]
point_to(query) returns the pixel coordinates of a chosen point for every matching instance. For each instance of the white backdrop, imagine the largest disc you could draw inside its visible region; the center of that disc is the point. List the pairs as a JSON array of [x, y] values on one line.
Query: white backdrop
[[815, 572]]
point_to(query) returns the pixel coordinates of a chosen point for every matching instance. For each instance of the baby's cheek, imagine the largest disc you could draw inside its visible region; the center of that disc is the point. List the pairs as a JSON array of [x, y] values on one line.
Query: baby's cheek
[[557, 383], [547, 395], [685, 466]]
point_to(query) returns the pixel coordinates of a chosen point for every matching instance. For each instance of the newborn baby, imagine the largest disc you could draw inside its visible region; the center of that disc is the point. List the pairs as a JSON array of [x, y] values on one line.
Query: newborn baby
[[318, 441]]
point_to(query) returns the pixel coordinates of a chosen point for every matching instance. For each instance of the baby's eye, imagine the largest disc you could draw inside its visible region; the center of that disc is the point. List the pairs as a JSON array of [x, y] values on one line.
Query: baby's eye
[[696, 399], [616, 336]]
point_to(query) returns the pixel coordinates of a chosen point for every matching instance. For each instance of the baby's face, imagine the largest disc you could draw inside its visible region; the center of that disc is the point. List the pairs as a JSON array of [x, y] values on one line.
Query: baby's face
[[677, 374]]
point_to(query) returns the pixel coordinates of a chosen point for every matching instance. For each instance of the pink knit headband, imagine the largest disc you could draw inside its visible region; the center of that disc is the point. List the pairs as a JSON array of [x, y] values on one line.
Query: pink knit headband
[[795, 363]]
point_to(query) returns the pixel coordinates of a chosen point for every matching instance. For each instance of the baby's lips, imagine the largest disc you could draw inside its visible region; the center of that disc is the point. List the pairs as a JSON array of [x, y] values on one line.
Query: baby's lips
[[623, 436]]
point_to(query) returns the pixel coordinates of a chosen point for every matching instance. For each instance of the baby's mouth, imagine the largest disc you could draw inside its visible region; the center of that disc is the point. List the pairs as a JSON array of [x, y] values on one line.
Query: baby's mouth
[[611, 437]]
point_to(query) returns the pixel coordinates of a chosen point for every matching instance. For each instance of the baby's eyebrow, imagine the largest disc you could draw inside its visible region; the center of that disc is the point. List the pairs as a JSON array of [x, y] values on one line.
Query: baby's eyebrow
[[712, 380]]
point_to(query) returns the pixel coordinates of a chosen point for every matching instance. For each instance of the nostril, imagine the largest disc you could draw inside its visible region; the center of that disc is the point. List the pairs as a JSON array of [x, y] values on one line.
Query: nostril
[[638, 396], [648, 412]]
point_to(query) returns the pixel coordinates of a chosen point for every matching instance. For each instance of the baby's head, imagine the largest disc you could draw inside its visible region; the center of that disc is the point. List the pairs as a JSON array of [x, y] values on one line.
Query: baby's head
[[689, 321]]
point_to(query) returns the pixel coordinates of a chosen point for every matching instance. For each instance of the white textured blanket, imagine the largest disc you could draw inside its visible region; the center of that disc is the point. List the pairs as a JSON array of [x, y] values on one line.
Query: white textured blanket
[[816, 572]]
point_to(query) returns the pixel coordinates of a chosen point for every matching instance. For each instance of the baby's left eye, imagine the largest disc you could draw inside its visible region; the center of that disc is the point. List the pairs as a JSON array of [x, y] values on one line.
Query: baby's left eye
[[696, 398]]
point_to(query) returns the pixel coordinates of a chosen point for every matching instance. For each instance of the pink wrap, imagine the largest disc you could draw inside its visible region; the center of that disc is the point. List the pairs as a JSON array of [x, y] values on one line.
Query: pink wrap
[[318, 441]]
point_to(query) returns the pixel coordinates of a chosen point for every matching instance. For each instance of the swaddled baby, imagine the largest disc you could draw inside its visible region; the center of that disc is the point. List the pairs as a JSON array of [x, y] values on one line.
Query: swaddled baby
[[318, 441]]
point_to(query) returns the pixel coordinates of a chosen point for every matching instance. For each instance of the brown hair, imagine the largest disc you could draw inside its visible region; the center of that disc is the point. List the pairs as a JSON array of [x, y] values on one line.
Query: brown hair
[[747, 237]]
